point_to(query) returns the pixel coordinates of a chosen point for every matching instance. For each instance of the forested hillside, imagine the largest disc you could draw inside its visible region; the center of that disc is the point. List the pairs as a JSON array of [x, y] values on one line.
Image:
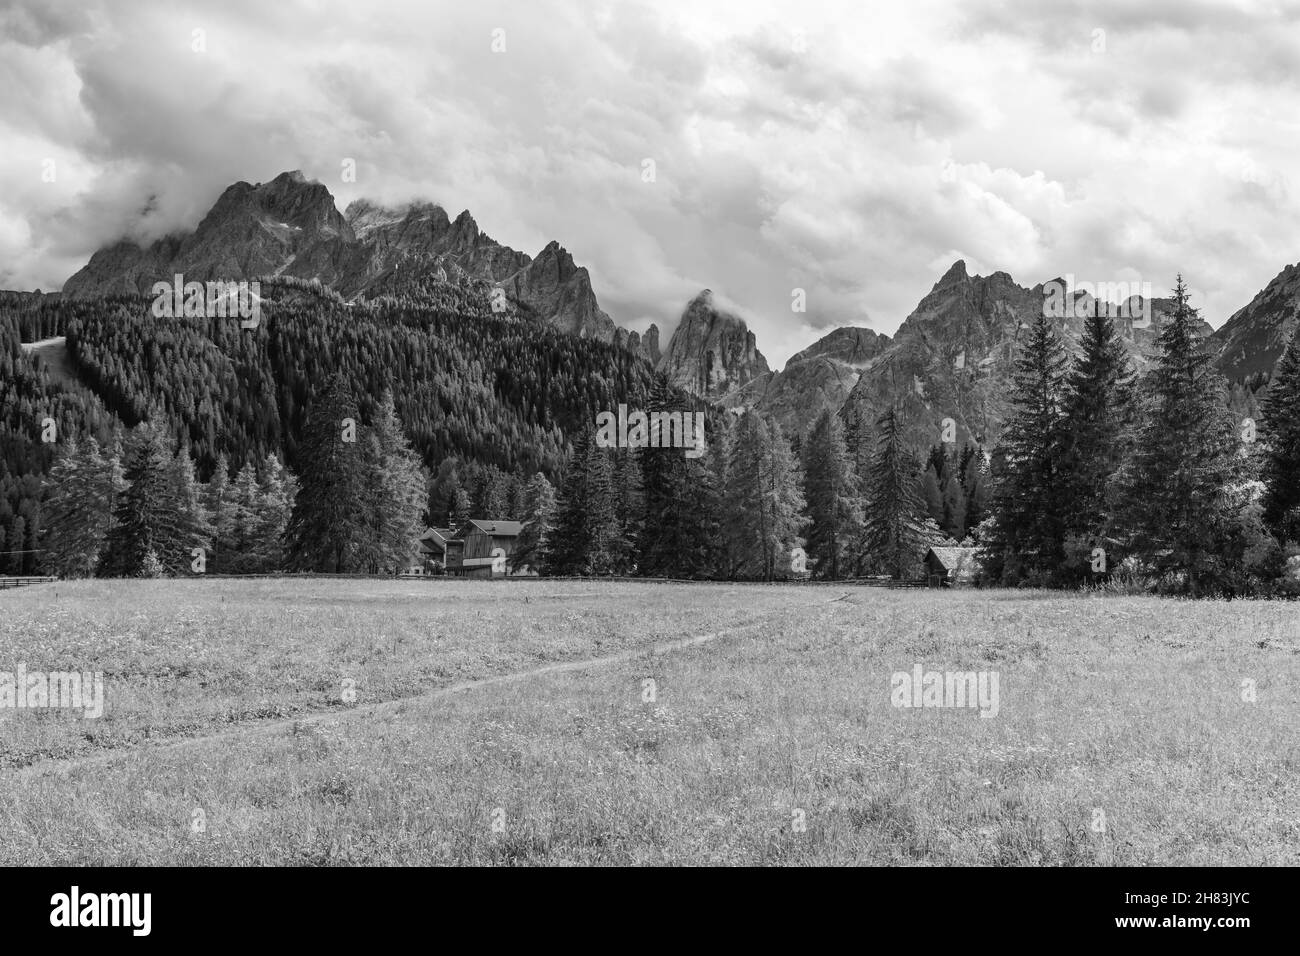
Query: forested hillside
[[493, 390]]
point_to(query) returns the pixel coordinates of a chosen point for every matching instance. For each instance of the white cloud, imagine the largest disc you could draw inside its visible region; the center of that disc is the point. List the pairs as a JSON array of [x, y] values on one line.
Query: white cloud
[[797, 143]]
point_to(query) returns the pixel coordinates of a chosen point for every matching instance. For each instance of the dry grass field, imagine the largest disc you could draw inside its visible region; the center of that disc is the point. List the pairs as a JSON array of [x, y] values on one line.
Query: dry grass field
[[1124, 733]]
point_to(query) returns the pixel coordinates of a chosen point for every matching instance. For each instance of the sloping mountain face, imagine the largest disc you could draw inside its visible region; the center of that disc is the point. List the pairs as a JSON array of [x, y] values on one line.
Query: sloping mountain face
[[711, 352], [292, 227], [953, 357], [820, 377], [285, 226], [553, 286], [1249, 344]]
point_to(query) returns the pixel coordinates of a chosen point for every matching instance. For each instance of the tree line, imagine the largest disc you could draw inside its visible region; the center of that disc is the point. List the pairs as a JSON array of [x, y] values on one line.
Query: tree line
[[1101, 476]]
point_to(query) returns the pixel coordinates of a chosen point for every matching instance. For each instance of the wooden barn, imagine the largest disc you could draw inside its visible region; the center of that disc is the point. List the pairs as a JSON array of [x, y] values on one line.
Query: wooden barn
[[433, 549], [952, 567], [483, 548]]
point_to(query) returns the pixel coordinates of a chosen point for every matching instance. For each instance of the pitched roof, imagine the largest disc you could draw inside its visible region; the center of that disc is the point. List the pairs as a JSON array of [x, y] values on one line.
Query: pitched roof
[[498, 529], [953, 558]]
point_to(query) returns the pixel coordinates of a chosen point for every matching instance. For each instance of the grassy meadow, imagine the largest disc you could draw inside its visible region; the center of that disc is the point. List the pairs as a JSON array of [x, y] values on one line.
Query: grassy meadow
[[1122, 734]]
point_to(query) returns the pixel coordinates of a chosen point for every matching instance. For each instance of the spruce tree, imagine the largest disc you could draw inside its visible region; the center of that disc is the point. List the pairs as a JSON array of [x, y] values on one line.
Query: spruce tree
[[1178, 482], [396, 491], [975, 482], [667, 540], [764, 499], [216, 501], [605, 546], [1280, 431], [931, 493], [629, 507], [567, 546], [1097, 437], [1028, 508], [538, 522], [151, 517], [833, 496], [277, 489], [954, 509], [78, 509], [895, 534], [330, 522]]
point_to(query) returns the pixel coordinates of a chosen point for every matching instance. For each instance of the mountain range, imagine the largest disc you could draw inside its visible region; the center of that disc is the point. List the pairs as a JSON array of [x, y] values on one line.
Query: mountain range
[[951, 357]]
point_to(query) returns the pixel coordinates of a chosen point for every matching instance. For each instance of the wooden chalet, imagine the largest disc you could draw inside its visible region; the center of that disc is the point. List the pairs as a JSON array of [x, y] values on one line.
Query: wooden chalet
[[952, 567]]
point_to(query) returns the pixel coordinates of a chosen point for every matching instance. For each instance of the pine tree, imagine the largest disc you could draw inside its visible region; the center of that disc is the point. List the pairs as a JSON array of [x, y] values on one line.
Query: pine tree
[[833, 496], [1280, 430], [629, 507], [668, 541], [1179, 479], [895, 534], [78, 509], [1098, 421], [330, 521], [150, 518], [569, 542], [764, 499], [461, 511], [277, 489], [216, 501], [605, 546], [538, 522], [242, 509], [976, 486], [442, 494], [954, 509], [1028, 545], [931, 493], [396, 491], [195, 523], [711, 505]]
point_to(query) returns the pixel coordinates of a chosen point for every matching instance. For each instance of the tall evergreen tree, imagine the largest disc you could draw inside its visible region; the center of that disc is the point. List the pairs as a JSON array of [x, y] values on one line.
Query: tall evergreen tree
[[764, 499], [954, 509], [396, 486], [330, 522], [78, 509], [668, 541], [1179, 479], [833, 496], [278, 489], [932, 493], [1281, 433], [217, 504], [151, 522], [569, 543], [629, 507], [1098, 409], [895, 534], [1027, 545], [538, 522], [606, 549]]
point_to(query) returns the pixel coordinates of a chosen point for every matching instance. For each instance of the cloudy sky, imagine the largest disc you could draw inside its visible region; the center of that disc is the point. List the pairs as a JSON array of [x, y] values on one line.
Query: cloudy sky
[[850, 150]]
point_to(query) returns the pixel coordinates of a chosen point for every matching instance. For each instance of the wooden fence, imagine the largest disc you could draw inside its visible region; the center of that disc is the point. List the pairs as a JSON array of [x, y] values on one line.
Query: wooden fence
[[20, 582]]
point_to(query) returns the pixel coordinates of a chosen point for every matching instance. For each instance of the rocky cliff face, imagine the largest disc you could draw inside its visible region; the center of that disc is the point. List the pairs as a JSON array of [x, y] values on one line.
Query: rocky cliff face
[[954, 355], [291, 226], [285, 226], [820, 377], [712, 352], [554, 288], [1253, 339]]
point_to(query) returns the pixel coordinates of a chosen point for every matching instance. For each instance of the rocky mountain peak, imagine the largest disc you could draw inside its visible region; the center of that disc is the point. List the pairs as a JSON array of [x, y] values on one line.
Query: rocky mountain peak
[[1254, 337], [712, 351]]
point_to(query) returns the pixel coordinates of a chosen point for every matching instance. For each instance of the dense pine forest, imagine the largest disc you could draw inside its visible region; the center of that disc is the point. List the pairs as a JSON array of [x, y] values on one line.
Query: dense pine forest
[[331, 435]]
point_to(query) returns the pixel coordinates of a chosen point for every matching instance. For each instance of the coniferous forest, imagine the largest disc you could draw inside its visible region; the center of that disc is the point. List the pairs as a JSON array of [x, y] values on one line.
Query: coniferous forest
[[330, 436]]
